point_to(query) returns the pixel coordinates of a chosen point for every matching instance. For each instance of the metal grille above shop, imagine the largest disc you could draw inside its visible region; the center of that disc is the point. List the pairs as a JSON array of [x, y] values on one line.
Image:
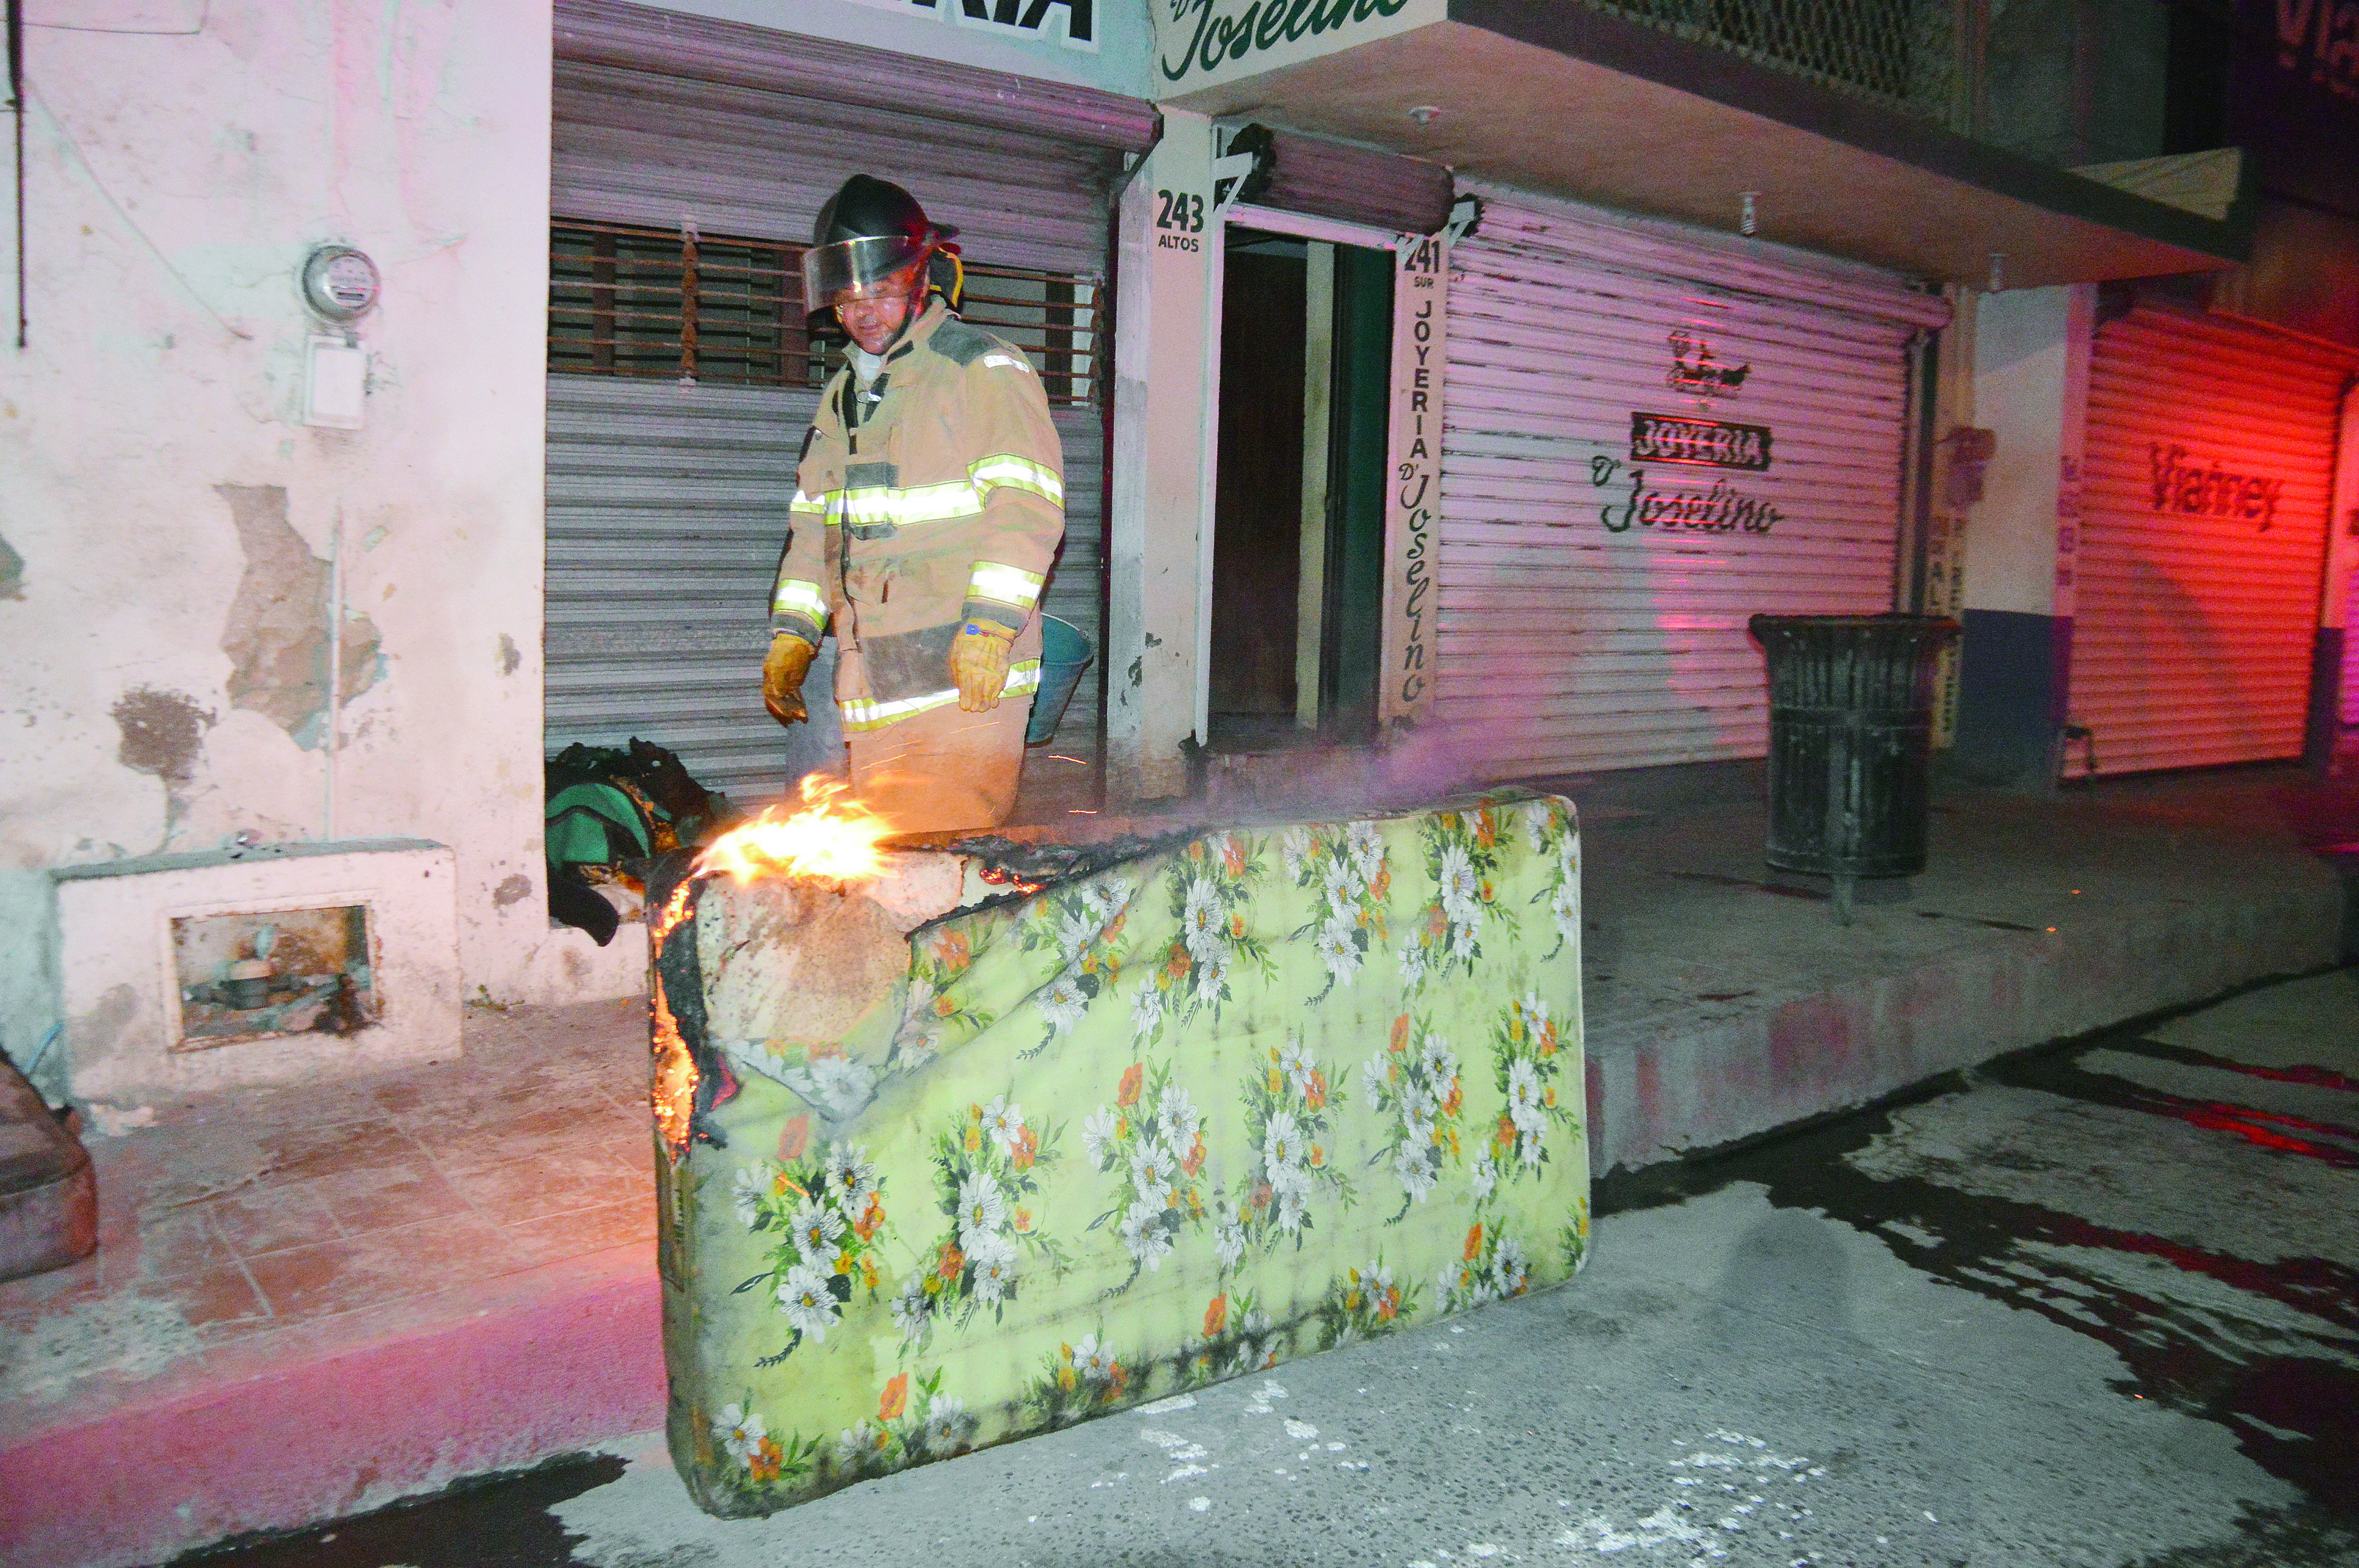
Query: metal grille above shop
[[1648, 438], [2203, 541], [625, 301], [1923, 59]]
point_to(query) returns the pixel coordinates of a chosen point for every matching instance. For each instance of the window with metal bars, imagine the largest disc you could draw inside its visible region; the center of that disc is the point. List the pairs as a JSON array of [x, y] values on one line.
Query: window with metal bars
[[632, 301]]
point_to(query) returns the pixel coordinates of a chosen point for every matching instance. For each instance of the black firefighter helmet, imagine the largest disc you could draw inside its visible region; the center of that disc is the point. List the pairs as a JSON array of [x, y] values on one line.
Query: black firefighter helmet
[[870, 232]]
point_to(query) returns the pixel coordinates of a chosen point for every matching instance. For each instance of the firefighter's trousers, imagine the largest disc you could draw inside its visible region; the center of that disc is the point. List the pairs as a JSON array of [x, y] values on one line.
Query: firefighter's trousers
[[944, 770]]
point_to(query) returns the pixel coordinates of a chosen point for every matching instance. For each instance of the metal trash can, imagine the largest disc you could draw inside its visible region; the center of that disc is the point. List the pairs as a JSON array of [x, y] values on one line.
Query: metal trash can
[[1850, 719]]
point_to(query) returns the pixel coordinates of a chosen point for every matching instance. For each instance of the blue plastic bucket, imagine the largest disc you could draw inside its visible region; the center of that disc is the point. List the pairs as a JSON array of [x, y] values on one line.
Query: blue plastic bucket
[[1065, 652]]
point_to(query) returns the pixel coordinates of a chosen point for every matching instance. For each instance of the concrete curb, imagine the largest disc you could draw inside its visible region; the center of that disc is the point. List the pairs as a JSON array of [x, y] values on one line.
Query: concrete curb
[[476, 1380], [1685, 1086]]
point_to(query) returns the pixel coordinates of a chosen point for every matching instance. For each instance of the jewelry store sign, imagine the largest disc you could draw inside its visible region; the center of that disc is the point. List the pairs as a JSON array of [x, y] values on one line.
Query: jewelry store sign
[[1413, 478], [1202, 43], [1677, 499]]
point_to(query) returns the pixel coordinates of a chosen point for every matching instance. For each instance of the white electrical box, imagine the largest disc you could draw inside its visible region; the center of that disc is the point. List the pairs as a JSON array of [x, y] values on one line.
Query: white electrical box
[[335, 382]]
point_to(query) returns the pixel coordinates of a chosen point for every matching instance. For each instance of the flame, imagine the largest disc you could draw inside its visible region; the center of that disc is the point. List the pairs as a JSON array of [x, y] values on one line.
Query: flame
[[674, 910], [1000, 876], [672, 1087], [672, 1083], [832, 837]]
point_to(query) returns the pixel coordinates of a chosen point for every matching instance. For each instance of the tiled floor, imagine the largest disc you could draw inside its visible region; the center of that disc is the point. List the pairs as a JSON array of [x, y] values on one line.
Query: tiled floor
[[280, 1210]]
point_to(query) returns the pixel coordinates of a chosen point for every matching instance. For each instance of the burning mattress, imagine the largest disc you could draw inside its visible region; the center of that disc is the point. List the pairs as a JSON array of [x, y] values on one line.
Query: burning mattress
[[928, 1183]]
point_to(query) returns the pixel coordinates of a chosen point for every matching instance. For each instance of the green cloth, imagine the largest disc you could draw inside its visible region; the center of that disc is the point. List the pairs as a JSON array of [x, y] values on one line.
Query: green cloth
[[1182, 1119], [578, 820]]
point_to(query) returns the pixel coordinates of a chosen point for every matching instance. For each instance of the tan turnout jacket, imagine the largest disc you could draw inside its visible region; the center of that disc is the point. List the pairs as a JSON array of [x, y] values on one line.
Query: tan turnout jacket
[[935, 498]]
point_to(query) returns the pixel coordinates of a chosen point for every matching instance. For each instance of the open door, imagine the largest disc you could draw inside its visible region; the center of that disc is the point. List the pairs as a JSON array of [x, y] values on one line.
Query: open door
[[1298, 523]]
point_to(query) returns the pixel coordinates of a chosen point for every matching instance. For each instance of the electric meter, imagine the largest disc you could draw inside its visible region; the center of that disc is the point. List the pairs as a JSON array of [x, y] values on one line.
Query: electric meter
[[340, 284]]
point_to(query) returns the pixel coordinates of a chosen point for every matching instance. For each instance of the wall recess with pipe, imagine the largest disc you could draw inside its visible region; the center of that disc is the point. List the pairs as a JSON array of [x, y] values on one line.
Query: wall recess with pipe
[[287, 963]]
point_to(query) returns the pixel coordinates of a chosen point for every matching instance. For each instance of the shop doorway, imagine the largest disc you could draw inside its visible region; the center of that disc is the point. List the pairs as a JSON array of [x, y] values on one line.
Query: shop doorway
[[1298, 520]]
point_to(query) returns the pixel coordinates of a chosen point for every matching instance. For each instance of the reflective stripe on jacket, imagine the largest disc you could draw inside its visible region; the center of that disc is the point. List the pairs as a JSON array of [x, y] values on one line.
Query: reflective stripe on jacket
[[934, 498]]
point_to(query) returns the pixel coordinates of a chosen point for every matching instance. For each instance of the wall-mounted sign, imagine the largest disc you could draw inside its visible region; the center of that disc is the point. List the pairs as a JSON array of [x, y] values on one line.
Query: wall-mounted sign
[[1073, 23], [1676, 503], [1413, 499], [1945, 595], [1697, 370], [1198, 43], [2210, 490], [1706, 443]]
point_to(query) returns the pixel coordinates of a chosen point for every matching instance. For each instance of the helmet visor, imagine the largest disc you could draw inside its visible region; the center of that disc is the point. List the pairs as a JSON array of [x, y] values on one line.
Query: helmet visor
[[856, 268]]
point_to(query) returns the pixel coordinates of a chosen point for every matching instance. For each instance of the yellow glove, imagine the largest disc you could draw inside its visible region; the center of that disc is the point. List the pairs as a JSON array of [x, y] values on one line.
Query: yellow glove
[[782, 677], [979, 666]]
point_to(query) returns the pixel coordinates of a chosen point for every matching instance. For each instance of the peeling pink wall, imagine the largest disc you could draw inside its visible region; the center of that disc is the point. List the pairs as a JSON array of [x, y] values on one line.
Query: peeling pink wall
[[178, 171]]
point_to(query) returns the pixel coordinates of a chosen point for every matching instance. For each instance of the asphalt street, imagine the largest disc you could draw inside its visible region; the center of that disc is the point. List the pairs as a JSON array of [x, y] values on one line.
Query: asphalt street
[[2097, 1304]]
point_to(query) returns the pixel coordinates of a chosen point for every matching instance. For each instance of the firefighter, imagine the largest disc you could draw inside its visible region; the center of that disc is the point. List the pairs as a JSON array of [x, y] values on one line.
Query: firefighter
[[928, 507]]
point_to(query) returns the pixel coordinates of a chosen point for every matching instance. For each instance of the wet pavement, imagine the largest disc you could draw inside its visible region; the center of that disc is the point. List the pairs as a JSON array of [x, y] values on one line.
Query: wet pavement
[[2090, 1305]]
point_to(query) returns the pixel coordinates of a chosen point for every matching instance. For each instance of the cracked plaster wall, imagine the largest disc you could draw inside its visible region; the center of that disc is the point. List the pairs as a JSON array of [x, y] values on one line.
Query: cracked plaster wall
[[168, 521], [277, 633]]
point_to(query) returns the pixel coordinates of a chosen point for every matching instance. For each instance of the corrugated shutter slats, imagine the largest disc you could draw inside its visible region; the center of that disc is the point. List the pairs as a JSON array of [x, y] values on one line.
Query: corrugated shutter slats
[[1356, 185], [666, 503], [636, 147], [667, 508], [2193, 632], [667, 511], [1566, 647]]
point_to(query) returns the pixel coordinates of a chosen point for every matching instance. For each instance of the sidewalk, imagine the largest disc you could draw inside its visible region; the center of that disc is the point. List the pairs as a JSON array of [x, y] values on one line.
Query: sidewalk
[[1723, 1003], [307, 1302]]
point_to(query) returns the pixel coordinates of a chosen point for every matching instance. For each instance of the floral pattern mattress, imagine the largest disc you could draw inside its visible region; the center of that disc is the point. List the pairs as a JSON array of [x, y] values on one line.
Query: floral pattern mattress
[[1268, 1093]]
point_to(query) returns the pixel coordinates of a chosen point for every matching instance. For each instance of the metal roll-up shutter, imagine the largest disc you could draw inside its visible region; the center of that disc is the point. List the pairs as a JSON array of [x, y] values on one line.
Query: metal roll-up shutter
[[667, 500], [1352, 185], [1575, 633], [667, 508], [634, 146], [2208, 465], [1076, 591]]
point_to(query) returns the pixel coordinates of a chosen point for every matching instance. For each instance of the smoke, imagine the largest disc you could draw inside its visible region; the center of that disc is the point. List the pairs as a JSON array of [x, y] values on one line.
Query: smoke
[[1408, 769]]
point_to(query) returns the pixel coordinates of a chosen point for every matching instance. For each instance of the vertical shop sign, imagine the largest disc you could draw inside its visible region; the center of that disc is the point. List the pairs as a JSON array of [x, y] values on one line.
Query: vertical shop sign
[[1945, 596], [2072, 451], [1413, 478]]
